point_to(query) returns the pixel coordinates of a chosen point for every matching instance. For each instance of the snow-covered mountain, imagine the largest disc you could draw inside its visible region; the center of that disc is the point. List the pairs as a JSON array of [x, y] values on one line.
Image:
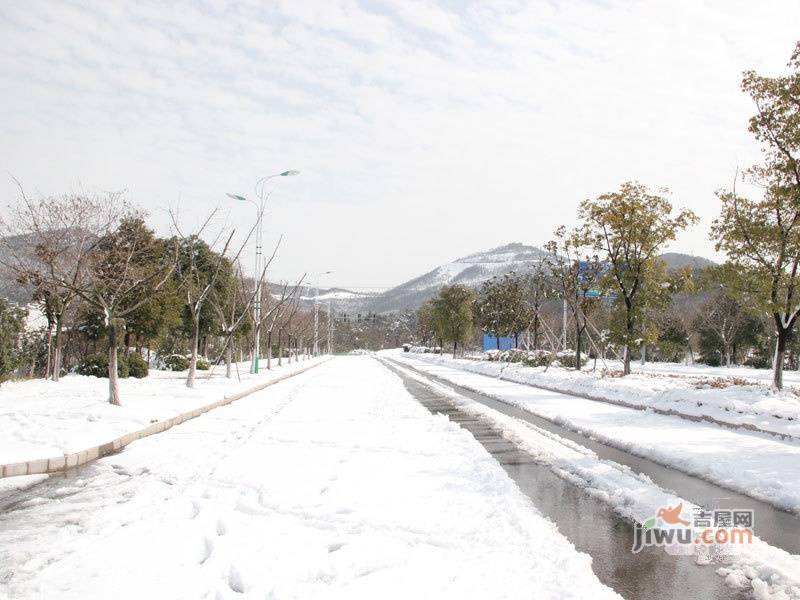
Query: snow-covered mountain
[[470, 270]]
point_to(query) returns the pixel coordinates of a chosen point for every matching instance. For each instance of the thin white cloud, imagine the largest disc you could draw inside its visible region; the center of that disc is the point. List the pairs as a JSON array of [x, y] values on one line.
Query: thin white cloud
[[424, 130]]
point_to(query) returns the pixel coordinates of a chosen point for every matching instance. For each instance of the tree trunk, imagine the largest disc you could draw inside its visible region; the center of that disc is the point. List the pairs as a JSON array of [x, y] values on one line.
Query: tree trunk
[[536, 332], [49, 353], [578, 336], [229, 360], [57, 352], [193, 360], [780, 353], [280, 348], [455, 345], [269, 350], [626, 367], [643, 355], [728, 357], [496, 341], [113, 377]]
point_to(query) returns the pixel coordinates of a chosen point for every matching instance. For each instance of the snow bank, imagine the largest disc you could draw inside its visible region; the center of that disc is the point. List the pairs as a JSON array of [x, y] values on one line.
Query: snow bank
[[752, 405], [43, 419], [334, 484]]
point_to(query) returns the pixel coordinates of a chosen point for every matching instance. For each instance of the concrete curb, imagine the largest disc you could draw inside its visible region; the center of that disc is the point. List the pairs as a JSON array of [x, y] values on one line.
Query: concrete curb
[[67, 461]]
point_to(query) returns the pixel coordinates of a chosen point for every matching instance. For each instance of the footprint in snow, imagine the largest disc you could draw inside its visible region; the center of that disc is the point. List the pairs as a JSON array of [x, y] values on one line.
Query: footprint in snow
[[235, 581], [208, 548]]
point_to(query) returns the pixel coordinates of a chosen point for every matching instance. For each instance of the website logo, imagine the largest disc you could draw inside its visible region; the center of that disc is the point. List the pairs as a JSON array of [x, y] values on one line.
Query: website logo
[[678, 531]]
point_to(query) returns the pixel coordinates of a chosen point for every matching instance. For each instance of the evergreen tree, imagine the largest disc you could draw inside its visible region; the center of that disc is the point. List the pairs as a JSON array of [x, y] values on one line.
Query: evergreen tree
[[12, 326], [452, 313]]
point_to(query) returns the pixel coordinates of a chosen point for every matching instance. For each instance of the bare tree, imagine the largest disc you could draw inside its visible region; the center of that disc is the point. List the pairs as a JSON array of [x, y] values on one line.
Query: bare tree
[[46, 243], [278, 307], [289, 309], [233, 305], [577, 274]]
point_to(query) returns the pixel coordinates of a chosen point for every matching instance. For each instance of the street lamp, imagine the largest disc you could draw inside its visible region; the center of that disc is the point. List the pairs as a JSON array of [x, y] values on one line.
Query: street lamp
[[316, 313], [259, 189]]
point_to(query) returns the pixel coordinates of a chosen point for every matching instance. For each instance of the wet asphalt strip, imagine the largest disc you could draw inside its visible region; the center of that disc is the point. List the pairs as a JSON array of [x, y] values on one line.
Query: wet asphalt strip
[[592, 526], [773, 525]]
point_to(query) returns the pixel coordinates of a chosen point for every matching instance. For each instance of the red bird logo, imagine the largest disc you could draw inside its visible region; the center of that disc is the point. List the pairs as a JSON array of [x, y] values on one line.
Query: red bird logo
[[672, 515]]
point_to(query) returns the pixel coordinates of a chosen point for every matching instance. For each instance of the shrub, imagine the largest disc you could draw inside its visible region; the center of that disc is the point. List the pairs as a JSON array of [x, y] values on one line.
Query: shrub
[[202, 364], [567, 359], [137, 365], [514, 355], [176, 362], [758, 362], [96, 365], [425, 350], [538, 358]]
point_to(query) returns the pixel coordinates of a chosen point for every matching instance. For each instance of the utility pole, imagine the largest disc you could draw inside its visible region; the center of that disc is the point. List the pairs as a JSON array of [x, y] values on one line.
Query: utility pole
[[330, 327], [257, 302], [316, 321], [316, 310], [257, 276]]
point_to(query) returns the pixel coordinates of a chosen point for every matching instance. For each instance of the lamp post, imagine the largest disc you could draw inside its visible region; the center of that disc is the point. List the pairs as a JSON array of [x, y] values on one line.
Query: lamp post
[[262, 197], [330, 327], [316, 311]]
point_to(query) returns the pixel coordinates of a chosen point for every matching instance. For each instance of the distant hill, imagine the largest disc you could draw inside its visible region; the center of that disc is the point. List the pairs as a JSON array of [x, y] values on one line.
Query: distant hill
[[474, 269], [9, 287], [469, 270], [677, 260]]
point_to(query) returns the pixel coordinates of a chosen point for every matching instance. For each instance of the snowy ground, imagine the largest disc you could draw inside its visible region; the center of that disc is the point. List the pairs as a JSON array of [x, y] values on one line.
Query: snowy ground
[[767, 572], [756, 464], [44, 419], [790, 378], [753, 405], [333, 484]]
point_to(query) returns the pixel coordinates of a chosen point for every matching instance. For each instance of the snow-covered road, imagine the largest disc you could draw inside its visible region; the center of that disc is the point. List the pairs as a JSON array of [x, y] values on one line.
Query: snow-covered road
[[333, 484]]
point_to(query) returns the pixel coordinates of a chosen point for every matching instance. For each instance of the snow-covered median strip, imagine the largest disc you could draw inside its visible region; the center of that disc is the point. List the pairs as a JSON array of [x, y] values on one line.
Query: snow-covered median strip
[[752, 406], [333, 484], [48, 426], [768, 571]]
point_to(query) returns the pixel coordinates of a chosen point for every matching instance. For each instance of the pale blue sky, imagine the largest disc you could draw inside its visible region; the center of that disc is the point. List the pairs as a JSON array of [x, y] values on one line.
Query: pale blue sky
[[423, 131]]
